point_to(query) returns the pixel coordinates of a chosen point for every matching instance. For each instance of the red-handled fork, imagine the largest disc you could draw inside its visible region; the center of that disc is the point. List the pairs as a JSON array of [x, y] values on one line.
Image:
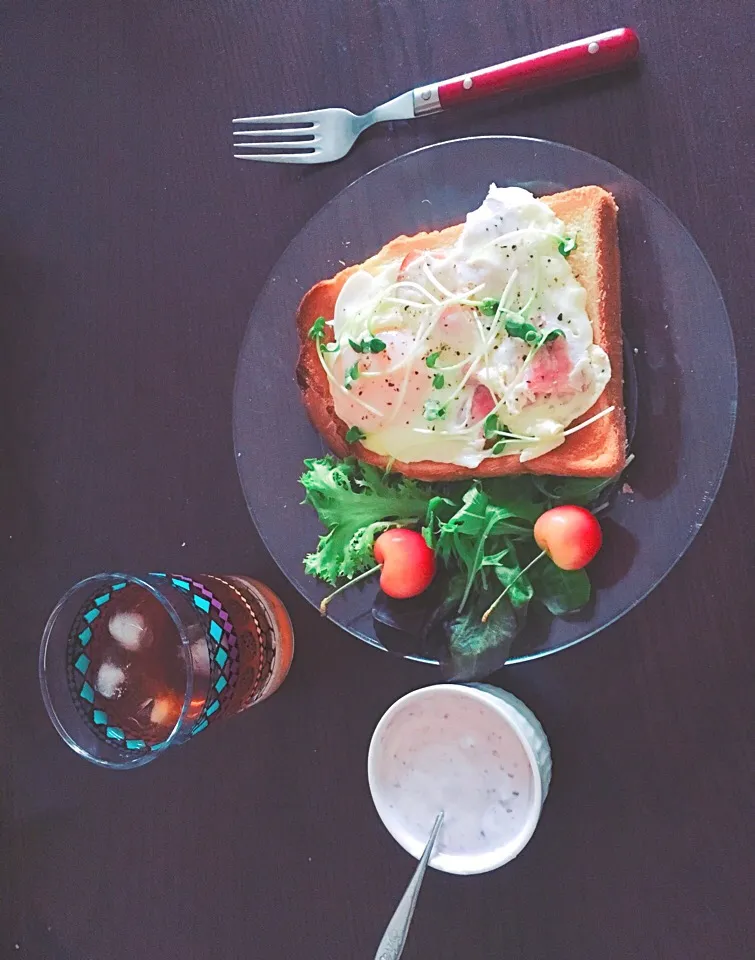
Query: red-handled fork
[[324, 135]]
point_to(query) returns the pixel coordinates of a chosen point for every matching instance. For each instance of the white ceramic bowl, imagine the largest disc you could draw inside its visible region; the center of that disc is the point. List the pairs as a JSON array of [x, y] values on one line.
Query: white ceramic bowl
[[420, 722]]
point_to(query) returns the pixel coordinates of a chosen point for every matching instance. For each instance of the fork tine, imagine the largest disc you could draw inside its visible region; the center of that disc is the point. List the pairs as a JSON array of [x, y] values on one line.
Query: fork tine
[[281, 157], [292, 131], [301, 144], [275, 117]]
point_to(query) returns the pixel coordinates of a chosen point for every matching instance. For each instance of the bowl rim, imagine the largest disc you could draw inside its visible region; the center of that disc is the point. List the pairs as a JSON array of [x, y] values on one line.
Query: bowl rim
[[462, 865]]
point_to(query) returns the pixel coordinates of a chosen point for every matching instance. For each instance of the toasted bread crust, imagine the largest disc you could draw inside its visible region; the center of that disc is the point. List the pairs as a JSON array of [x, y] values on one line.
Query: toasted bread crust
[[597, 451]]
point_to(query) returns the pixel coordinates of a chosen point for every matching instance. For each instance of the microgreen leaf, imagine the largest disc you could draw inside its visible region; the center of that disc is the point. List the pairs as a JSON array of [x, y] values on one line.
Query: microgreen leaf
[[352, 374], [434, 410], [439, 381], [317, 329], [367, 345], [491, 426], [354, 434], [329, 347], [523, 330], [489, 307], [432, 359], [552, 334], [499, 447], [566, 246]]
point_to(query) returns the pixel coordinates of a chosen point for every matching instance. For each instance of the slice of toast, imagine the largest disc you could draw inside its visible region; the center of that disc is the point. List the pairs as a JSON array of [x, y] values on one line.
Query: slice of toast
[[597, 451]]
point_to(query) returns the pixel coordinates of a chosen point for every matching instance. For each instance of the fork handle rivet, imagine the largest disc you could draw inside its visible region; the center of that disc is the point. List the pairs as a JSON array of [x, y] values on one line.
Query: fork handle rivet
[[467, 83], [426, 94]]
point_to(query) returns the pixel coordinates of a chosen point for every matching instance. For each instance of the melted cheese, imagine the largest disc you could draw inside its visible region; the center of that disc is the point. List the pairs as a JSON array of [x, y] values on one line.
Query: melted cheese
[[446, 366]]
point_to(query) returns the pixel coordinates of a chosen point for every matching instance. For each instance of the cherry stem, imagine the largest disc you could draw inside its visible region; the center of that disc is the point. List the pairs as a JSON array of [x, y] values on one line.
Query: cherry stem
[[362, 576], [498, 599]]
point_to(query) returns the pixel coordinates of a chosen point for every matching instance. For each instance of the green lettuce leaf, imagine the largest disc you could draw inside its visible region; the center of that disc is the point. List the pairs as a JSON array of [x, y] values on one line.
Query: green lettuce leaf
[[356, 503]]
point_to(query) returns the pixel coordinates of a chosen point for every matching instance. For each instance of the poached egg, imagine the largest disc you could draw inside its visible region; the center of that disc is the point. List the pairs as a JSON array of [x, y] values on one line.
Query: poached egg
[[479, 349]]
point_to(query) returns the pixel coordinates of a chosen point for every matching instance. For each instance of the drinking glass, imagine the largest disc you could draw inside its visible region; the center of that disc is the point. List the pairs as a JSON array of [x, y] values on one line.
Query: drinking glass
[[131, 665]]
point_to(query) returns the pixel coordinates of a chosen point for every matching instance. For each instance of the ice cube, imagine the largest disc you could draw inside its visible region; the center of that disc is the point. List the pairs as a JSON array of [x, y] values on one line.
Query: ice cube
[[165, 711], [110, 680], [129, 630]]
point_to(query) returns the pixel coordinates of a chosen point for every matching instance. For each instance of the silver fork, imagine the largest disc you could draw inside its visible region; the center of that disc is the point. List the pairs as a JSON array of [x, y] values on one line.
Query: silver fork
[[321, 136]]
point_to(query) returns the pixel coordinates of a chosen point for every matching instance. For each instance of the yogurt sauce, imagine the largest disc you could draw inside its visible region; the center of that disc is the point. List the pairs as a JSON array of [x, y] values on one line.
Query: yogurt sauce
[[449, 748]]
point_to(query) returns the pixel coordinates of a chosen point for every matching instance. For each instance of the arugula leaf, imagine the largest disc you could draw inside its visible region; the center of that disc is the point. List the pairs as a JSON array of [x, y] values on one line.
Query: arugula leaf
[[581, 491], [353, 434], [471, 537], [561, 591], [508, 570], [432, 359], [439, 510], [488, 307], [474, 561], [566, 246], [317, 329], [516, 495], [355, 503], [469, 518]]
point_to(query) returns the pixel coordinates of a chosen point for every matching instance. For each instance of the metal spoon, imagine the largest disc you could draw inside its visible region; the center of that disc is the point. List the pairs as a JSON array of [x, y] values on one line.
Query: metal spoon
[[392, 945]]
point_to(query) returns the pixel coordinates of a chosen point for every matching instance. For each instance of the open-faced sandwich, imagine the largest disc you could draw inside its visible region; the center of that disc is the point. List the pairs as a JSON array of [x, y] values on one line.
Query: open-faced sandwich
[[470, 380], [488, 348]]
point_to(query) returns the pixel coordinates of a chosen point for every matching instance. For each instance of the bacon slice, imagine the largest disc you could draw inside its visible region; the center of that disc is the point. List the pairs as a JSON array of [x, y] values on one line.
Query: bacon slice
[[550, 369]]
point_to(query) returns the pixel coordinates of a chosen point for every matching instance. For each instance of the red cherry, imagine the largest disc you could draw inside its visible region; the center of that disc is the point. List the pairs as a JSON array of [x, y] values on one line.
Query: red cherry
[[570, 535], [407, 561]]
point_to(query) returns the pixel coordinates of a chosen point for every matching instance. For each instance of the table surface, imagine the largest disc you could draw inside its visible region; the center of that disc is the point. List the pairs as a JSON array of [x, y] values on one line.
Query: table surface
[[133, 249]]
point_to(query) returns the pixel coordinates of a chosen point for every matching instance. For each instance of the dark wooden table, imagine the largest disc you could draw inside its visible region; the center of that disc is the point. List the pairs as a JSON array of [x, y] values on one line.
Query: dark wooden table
[[133, 249]]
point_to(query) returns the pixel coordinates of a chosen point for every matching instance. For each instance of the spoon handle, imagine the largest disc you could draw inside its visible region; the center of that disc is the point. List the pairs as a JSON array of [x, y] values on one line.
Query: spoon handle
[[392, 945]]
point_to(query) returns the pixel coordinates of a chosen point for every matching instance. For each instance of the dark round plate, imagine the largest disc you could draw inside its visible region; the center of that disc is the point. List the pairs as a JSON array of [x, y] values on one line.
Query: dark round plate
[[673, 316]]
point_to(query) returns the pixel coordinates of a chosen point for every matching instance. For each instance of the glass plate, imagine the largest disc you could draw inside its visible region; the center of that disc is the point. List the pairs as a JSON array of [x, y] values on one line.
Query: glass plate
[[673, 316]]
